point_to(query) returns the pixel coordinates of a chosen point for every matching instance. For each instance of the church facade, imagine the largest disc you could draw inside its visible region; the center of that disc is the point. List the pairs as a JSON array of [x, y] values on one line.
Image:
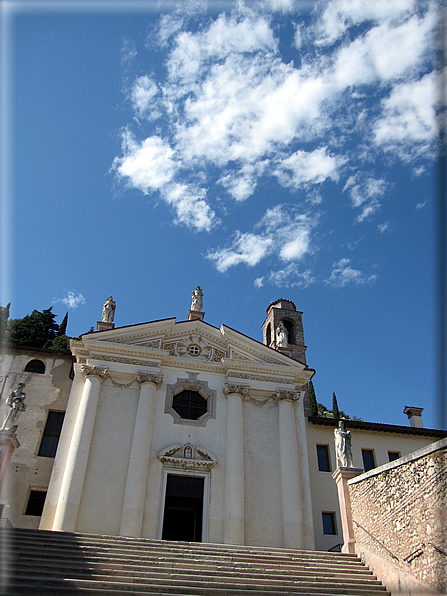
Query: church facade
[[183, 431]]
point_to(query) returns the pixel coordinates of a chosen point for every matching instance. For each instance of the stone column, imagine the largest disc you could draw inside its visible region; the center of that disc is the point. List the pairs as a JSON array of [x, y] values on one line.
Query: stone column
[[8, 444], [341, 477], [234, 467], [292, 509], [137, 472], [78, 453], [303, 458]]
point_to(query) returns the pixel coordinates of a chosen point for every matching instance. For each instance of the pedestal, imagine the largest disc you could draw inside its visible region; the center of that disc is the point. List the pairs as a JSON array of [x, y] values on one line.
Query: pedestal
[[8, 444], [101, 326], [195, 315], [341, 477]]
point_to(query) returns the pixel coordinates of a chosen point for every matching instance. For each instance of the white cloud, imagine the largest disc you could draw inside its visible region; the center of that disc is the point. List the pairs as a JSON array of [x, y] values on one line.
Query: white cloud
[[384, 227], [148, 165], [385, 52], [421, 205], [365, 192], [190, 206], [283, 232], [290, 277], [341, 14], [128, 52], [302, 168], [142, 97], [233, 113], [343, 274], [72, 300], [407, 125]]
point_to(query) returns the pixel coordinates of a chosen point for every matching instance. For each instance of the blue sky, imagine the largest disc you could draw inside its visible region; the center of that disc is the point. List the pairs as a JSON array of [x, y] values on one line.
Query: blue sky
[[259, 150]]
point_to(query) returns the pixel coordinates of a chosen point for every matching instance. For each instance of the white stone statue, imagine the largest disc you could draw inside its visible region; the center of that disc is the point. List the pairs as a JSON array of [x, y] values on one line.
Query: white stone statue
[[282, 336], [197, 299], [16, 402], [108, 310], [343, 446]]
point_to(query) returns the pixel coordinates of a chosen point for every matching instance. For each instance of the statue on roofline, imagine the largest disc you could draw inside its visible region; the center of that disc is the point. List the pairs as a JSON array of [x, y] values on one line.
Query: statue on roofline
[[16, 402], [108, 310], [282, 336], [197, 299], [343, 450]]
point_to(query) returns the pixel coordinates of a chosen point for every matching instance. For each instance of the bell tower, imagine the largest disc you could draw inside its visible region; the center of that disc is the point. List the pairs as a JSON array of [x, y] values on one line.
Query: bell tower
[[290, 342]]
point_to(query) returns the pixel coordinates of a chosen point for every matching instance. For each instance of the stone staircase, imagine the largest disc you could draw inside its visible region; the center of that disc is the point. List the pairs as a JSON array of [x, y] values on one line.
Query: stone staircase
[[39, 562]]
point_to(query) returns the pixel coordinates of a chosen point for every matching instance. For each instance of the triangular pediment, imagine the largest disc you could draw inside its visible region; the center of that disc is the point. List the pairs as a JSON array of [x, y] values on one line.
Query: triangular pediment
[[186, 341]]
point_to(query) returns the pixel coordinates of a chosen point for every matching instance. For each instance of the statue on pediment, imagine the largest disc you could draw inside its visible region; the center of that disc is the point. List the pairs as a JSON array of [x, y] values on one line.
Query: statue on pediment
[[343, 450], [108, 310], [282, 336], [16, 403], [197, 299]]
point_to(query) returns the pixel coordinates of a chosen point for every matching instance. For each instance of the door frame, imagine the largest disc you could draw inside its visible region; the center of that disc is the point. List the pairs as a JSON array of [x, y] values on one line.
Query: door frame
[[206, 498]]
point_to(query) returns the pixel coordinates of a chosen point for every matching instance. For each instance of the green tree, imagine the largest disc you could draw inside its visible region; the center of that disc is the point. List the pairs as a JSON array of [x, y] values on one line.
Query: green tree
[[36, 330], [4, 316], [60, 343], [313, 400], [63, 326], [335, 410]]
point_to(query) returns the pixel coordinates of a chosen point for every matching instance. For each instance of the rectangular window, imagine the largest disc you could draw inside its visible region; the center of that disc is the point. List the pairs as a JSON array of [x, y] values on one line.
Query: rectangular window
[[368, 459], [393, 455], [51, 434], [36, 502], [323, 458], [329, 522]]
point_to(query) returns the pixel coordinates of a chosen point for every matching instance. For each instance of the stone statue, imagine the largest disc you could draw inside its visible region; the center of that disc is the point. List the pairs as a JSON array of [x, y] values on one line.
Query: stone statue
[[197, 299], [343, 446], [282, 336], [16, 402], [108, 310], [188, 452]]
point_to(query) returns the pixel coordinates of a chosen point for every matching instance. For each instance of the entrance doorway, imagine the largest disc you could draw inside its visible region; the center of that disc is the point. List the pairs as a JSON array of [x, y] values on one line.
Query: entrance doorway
[[183, 508]]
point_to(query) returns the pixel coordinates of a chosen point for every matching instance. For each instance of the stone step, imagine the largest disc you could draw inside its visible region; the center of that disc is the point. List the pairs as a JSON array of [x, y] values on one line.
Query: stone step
[[81, 557], [148, 542], [59, 560], [205, 587], [150, 575], [42, 562], [123, 544]]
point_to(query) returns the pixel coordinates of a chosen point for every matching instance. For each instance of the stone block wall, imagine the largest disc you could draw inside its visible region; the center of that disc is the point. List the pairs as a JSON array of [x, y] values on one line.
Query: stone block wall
[[403, 505]]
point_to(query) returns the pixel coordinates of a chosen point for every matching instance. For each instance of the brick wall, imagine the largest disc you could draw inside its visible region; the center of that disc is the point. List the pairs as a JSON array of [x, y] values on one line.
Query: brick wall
[[404, 506]]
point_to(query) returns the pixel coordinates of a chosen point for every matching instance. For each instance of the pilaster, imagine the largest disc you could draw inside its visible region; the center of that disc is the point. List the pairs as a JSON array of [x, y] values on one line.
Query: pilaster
[[74, 474], [8, 444], [137, 473], [234, 466], [292, 508]]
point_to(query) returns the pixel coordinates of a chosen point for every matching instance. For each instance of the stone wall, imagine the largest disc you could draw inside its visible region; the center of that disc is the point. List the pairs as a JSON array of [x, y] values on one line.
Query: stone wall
[[403, 505]]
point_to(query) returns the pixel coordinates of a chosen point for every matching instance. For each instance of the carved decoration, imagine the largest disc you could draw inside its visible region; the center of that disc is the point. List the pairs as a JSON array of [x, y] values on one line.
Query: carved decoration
[[148, 378], [155, 343], [132, 361], [256, 378], [194, 347], [286, 395], [237, 356], [239, 389], [95, 371], [187, 456], [122, 385]]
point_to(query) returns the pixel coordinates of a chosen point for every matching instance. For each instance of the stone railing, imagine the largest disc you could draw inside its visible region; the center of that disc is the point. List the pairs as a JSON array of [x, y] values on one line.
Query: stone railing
[[399, 517]]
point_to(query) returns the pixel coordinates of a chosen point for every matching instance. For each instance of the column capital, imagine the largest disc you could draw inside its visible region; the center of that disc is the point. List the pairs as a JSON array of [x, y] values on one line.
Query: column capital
[[280, 396], [95, 371], [143, 378], [238, 389]]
